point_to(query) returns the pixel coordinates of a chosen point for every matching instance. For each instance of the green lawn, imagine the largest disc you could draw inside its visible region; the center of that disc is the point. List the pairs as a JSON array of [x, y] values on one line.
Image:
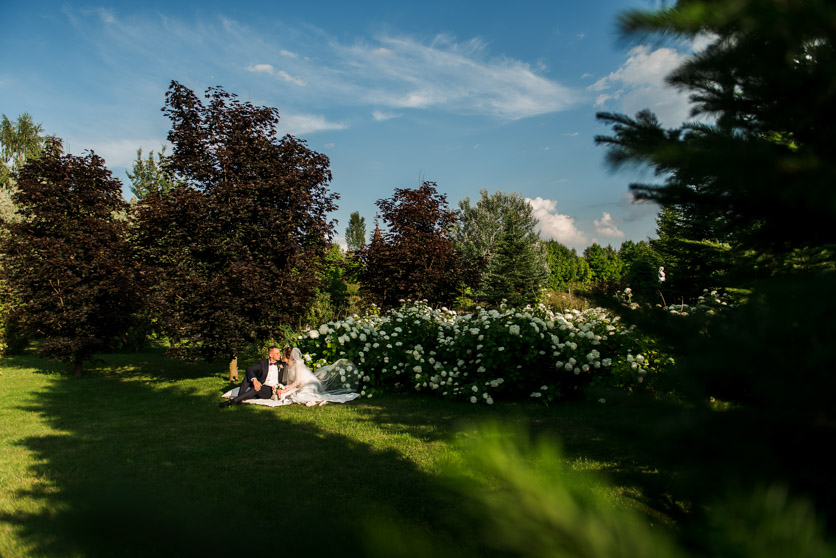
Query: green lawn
[[136, 458]]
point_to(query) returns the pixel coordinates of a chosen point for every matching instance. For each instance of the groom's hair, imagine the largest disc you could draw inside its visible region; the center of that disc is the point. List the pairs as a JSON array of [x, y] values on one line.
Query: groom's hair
[[271, 347]]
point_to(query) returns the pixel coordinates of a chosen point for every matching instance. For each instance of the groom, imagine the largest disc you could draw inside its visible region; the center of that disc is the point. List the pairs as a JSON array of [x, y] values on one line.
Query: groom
[[262, 378]]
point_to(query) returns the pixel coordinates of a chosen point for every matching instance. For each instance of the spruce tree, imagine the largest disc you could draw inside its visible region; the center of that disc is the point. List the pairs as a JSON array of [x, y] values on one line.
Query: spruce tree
[[488, 225]]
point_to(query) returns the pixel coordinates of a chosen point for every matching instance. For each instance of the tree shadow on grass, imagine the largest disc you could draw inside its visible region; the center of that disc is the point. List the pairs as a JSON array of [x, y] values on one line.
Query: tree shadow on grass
[[143, 469], [605, 436]]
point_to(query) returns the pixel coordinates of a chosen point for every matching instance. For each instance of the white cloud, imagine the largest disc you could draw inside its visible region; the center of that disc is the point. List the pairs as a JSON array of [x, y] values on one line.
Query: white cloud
[[340, 241], [702, 40], [401, 72], [555, 226], [298, 124], [388, 73], [289, 78], [118, 154], [640, 83], [605, 226], [107, 16], [260, 68], [381, 116]]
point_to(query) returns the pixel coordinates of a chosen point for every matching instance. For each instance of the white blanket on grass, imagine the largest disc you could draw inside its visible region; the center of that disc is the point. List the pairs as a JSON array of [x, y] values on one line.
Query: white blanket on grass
[[256, 401]]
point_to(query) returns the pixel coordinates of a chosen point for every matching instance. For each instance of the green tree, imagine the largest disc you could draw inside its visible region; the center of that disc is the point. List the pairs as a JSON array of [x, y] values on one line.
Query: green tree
[[692, 262], [67, 259], [604, 263], [234, 250], [339, 293], [497, 235], [19, 141], [150, 174], [566, 268], [355, 232], [640, 268]]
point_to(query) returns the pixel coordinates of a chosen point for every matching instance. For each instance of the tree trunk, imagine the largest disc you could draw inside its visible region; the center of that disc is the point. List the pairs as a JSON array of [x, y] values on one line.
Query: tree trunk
[[233, 369], [78, 365]]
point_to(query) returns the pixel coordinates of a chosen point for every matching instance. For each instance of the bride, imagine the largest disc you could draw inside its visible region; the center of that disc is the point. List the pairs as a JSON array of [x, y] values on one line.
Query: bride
[[316, 388]]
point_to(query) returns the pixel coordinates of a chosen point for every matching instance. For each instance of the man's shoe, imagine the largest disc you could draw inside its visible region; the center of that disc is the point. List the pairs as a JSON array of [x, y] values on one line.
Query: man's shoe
[[226, 403]]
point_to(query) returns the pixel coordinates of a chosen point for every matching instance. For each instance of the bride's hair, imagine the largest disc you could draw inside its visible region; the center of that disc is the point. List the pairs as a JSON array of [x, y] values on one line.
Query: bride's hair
[[287, 351]]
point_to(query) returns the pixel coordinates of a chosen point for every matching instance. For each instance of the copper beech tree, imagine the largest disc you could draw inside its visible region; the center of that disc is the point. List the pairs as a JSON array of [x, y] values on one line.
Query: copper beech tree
[[66, 258], [232, 251], [414, 258]]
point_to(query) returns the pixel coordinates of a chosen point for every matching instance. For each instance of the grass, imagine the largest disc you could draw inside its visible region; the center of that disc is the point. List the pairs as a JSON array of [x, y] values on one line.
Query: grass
[[136, 458]]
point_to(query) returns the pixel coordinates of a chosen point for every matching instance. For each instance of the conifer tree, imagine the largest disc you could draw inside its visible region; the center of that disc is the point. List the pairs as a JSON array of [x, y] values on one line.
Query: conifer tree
[[757, 173], [150, 175], [499, 233]]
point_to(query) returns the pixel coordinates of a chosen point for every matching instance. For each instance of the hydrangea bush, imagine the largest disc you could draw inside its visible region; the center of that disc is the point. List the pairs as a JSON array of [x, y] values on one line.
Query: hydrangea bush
[[486, 354]]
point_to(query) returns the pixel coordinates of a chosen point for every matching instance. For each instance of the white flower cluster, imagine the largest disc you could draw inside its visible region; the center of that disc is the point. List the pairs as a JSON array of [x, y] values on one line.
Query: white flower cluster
[[510, 351]]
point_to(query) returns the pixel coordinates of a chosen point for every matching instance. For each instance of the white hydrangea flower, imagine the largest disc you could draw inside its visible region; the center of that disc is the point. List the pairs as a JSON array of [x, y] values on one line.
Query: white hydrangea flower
[[473, 399]]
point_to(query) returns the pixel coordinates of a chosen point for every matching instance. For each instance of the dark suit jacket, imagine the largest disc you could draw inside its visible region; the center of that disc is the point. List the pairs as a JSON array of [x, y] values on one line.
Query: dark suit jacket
[[259, 371]]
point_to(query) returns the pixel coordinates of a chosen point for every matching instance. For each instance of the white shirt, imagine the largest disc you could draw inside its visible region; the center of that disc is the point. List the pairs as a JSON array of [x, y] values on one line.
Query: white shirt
[[272, 375]]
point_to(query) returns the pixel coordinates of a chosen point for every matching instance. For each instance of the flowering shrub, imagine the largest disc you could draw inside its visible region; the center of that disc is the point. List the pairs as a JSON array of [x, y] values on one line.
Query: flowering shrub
[[531, 353]]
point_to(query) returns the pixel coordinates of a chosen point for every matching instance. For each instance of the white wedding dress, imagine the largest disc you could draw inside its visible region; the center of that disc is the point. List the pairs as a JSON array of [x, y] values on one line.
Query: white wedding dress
[[313, 388]]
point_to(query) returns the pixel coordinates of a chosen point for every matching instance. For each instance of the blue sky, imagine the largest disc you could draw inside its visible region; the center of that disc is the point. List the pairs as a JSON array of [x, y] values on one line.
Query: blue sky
[[459, 93]]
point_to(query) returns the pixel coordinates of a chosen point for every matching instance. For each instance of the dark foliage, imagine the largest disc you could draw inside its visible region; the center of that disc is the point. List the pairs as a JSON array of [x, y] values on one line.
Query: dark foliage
[[67, 259], [750, 189], [414, 259], [640, 265], [233, 251]]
